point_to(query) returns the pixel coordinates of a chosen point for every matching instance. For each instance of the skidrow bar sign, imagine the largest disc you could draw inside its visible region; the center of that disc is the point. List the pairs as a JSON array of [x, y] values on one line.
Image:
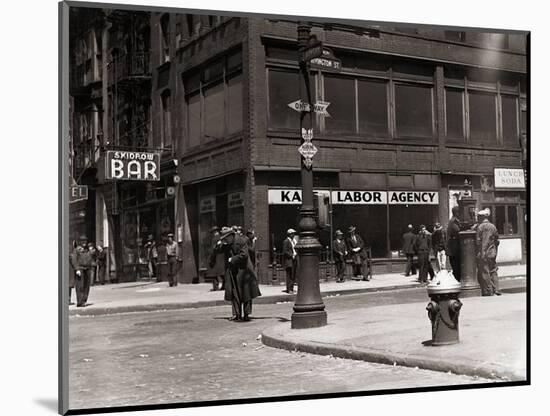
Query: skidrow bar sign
[[294, 197], [132, 166]]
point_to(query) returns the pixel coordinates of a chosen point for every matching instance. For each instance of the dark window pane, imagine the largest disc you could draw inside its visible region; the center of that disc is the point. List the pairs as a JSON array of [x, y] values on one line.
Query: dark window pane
[[413, 111], [194, 119], [235, 103], [523, 121], [214, 118], [213, 71], [482, 117], [283, 89], [455, 115], [282, 53], [340, 93], [235, 61], [512, 225], [500, 219], [373, 108], [510, 121]]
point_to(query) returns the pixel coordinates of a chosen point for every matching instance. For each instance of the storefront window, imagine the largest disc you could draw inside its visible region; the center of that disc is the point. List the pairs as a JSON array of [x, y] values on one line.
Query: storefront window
[[283, 89], [340, 93], [512, 223], [413, 111], [482, 117], [402, 215], [510, 121], [373, 108], [500, 219], [454, 115]]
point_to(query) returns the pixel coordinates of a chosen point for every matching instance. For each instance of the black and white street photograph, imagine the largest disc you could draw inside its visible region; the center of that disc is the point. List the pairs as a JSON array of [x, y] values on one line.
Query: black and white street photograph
[[273, 207]]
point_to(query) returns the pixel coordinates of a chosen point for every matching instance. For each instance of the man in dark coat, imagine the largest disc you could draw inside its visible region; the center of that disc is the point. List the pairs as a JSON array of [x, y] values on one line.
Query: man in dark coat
[[423, 247], [487, 250], [241, 285], [83, 265], [101, 259], [453, 243], [216, 262], [290, 259], [409, 238], [251, 242], [162, 262], [72, 271], [356, 249], [340, 253]]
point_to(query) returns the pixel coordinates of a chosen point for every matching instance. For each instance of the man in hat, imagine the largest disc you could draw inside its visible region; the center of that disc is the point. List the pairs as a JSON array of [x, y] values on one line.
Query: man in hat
[[162, 261], [340, 253], [355, 246], [487, 250], [251, 242], [453, 243], [241, 285], [152, 256], [101, 259], [173, 258], [83, 261], [438, 243], [216, 262], [423, 247], [290, 258], [409, 239]]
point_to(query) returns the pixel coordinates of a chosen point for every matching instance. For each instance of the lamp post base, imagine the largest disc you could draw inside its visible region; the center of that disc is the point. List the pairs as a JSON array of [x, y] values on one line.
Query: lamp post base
[[470, 291], [311, 319]]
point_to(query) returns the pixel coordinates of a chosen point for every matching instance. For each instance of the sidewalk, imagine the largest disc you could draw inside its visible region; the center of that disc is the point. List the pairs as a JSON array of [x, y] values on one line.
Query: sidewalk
[[148, 296], [492, 337]]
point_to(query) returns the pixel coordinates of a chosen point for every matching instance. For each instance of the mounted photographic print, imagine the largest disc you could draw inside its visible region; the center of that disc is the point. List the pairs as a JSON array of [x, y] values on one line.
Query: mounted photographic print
[[262, 207]]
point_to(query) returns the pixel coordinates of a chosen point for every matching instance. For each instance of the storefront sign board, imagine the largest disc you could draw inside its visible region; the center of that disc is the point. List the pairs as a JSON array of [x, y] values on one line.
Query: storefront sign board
[[359, 197], [413, 198], [78, 193], [132, 166], [354, 197], [208, 205], [235, 199], [506, 178]]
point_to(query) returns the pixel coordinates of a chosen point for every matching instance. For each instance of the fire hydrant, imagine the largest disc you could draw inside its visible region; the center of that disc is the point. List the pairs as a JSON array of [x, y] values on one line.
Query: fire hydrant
[[444, 308]]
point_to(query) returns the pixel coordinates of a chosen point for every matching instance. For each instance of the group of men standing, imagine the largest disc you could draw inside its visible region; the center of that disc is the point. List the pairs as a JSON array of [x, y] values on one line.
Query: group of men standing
[[353, 247], [88, 263], [447, 243], [162, 259]]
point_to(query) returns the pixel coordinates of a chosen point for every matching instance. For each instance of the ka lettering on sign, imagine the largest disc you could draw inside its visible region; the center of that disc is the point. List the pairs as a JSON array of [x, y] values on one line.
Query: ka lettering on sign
[[132, 166]]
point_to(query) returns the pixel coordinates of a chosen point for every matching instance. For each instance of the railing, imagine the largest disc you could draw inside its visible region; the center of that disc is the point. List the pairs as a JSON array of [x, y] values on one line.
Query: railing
[[135, 64]]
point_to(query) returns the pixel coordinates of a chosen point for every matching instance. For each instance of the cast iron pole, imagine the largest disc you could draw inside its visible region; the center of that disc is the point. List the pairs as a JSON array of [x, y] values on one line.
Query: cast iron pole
[[309, 309]]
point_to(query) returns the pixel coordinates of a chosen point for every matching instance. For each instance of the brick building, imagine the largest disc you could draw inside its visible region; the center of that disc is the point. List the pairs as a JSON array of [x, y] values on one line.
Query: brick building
[[418, 119]]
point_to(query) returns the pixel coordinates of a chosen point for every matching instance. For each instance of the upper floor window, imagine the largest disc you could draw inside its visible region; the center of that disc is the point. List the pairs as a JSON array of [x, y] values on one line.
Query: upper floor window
[[413, 111], [166, 118], [483, 117], [165, 37]]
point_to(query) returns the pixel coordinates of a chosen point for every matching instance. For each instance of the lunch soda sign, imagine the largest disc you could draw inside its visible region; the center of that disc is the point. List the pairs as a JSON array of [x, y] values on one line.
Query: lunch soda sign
[[132, 166]]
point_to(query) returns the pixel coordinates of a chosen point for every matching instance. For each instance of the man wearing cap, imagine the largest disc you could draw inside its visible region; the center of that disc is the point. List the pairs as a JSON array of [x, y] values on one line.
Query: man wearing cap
[[355, 245], [241, 285], [487, 250], [340, 253], [83, 261], [453, 243], [409, 238], [216, 262], [423, 246], [172, 255], [290, 258], [438, 243]]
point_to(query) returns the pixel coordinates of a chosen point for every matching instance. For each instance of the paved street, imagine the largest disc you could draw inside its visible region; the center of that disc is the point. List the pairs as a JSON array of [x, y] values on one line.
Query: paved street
[[196, 354]]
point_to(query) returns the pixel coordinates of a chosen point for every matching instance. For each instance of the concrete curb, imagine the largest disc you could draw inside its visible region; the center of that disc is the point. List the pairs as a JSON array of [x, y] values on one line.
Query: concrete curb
[[263, 300], [273, 339]]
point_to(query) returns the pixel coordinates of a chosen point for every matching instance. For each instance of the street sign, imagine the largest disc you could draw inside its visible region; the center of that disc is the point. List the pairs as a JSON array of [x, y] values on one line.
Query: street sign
[[327, 62], [307, 149], [320, 107], [314, 50], [300, 106], [78, 193]]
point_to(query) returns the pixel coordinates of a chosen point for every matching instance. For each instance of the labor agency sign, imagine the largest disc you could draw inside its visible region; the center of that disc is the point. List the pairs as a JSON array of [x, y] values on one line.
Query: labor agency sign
[[132, 166]]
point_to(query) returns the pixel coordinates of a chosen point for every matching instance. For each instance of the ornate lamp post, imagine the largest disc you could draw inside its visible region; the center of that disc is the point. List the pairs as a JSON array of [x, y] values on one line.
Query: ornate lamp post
[[309, 309]]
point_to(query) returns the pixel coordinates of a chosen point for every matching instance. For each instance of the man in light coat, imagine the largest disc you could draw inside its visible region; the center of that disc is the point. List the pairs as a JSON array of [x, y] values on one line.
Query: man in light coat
[[487, 251]]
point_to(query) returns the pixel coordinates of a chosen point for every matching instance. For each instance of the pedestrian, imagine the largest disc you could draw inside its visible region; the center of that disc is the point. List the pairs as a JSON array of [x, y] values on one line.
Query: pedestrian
[[423, 247], [83, 266], [355, 247], [251, 242], [162, 261], [216, 262], [173, 259], [101, 260], [290, 258], [438, 243], [72, 271], [241, 285], [340, 253], [487, 251], [453, 243], [93, 270], [151, 255], [409, 239]]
